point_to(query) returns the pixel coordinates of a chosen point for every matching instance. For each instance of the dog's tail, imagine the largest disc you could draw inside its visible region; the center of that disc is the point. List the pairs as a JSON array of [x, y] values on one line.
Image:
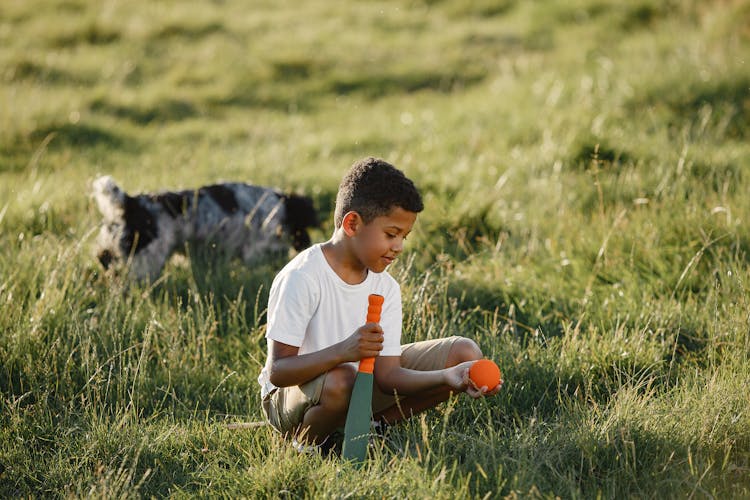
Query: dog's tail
[[300, 214], [109, 197]]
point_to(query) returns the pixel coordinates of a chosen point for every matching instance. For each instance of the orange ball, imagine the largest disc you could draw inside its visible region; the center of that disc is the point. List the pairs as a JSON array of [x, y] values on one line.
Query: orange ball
[[485, 373]]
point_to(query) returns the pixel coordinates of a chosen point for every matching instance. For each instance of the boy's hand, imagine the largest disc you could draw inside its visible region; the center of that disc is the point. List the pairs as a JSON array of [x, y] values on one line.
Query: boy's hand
[[365, 342], [457, 377]]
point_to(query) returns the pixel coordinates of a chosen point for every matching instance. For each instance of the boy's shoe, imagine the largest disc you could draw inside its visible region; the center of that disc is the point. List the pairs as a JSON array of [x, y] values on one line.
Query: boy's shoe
[[378, 435], [306, 449], [331, 445], [378, 428]]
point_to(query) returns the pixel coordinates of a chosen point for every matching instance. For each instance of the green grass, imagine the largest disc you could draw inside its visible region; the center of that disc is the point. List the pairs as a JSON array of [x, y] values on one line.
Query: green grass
[[585, 172]]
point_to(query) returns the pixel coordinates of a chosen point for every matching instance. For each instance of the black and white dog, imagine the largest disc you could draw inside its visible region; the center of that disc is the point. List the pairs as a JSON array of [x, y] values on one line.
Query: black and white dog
[[237, 219]]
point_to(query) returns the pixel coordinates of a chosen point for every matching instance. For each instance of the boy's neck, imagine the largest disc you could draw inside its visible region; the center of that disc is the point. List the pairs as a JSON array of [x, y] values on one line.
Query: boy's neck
[[342, 260]]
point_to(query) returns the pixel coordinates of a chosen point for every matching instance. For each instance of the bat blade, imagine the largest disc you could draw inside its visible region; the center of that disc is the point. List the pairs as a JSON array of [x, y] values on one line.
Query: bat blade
[[357, 429]]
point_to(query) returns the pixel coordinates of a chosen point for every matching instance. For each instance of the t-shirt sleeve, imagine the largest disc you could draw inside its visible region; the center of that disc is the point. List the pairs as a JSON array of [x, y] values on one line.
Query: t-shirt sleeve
[[390, 321], [291, 303]]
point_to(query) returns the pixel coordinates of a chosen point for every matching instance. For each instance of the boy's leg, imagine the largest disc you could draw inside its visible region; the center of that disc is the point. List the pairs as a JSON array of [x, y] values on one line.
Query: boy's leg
[[311, 411], [429, 355], [321, 420]]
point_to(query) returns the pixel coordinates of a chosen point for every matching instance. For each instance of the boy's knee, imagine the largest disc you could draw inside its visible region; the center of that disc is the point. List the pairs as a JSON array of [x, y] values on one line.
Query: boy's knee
[[338, 385], [463, 349]]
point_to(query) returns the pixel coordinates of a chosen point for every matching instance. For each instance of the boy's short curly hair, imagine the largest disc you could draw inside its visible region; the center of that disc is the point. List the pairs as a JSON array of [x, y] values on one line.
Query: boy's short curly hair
[[373, 187]]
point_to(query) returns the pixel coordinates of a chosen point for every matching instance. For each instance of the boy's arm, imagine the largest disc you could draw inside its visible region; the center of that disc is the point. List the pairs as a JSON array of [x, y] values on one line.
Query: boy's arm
[[289, 368], [390, 375]]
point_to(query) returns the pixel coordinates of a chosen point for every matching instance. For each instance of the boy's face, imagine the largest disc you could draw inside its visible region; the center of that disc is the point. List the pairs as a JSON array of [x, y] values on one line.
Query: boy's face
[[378, 243]]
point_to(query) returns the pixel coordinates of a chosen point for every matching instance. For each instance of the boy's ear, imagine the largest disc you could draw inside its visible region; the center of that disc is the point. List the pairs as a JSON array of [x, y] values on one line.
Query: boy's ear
[[351, 223]]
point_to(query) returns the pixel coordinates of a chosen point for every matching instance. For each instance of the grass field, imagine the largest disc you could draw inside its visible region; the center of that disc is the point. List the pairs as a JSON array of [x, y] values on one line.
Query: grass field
[[585, 167]]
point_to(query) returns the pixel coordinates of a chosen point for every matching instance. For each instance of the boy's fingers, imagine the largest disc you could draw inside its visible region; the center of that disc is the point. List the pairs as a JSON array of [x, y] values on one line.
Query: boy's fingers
[[474, 392], [373, 327], [371, 345], [495, 390], [373, 338]]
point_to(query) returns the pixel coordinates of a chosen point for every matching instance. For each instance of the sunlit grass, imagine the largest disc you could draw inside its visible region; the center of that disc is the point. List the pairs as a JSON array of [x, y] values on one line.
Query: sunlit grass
[[584, 167]]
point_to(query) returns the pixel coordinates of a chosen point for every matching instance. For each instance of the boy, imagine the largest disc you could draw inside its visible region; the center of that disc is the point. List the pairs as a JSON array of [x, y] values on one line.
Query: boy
[[316, 311]]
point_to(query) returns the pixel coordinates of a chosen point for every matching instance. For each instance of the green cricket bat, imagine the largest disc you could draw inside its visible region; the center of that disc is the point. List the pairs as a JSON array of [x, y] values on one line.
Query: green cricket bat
[[357, 428]]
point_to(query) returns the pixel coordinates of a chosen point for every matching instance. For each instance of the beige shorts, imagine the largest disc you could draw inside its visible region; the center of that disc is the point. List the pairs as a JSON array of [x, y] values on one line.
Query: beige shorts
[[286, 406]]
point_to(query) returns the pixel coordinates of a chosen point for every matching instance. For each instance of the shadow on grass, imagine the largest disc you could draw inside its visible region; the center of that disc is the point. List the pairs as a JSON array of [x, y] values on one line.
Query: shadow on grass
[[375, 86], [78, 136], [24, 70], [724, 104], [19, 151], [253, 94], [478, 8], [164, 110], [92, 33], [723, 178], [186, 31], [589, 150]]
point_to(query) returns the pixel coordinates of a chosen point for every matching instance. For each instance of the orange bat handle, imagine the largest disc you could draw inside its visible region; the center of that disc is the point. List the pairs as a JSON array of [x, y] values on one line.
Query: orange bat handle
[[374, 307]]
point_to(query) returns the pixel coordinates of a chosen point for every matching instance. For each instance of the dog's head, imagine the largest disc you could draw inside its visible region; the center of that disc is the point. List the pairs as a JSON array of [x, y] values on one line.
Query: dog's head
[[128, 224], [300, 215]]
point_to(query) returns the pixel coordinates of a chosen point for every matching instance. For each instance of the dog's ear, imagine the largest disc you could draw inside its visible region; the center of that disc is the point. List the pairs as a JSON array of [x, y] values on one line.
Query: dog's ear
[[109, 197], [300, 214]]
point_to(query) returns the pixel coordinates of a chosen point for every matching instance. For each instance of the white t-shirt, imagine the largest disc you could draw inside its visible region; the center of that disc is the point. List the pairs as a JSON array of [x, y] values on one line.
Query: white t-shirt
[[312, 308]]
